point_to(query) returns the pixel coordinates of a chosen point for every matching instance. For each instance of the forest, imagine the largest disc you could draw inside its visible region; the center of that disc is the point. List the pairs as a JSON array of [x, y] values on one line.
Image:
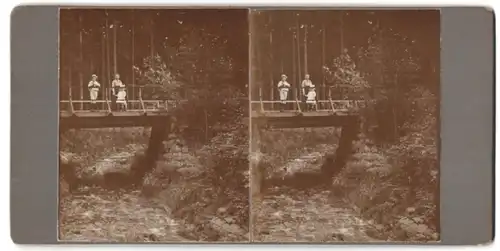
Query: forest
[[390, 59], [198, 55]]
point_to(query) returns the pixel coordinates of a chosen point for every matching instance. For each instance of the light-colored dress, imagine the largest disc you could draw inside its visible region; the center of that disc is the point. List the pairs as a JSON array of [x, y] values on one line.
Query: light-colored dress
[[121, 96], [311, 97], [283, 88], [94, 90]]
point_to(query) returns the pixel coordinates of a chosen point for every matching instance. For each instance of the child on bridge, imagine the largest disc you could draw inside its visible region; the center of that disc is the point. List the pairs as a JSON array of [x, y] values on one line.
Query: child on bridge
[[311, 99], [115, 86], [121, 97]]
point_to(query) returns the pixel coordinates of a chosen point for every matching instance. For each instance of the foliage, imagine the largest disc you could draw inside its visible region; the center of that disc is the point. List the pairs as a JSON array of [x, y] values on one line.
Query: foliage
[[228, 172], [158, 80], [346, 78]]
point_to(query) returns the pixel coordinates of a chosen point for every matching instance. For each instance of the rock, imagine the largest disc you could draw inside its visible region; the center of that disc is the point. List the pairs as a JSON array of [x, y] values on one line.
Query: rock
[[223, 227], [221, 210], [410, 210], [229, 220], [418, 220]]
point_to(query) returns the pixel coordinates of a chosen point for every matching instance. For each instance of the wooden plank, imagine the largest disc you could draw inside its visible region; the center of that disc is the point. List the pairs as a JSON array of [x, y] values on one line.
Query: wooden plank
[[94, 114], [285, 114]]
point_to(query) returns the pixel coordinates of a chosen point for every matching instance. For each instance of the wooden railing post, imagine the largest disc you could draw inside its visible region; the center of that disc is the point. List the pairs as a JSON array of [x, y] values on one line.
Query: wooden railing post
[[260, 99], [109, 107], [165, 104], [331, 104], [71, 108], [298, 105], [141, 101]]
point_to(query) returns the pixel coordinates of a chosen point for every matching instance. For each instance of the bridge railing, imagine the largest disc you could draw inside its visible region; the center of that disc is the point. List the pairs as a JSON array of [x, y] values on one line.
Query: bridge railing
[[75, 106], [345, 106], [138, 98]]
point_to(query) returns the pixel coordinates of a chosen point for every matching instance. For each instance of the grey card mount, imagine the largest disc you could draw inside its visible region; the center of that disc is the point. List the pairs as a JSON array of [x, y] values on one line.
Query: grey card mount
[[126, 132]]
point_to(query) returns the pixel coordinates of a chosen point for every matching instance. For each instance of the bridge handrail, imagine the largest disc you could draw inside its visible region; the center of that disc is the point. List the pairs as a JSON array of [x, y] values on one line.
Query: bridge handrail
[[107, 106], [347, 104]]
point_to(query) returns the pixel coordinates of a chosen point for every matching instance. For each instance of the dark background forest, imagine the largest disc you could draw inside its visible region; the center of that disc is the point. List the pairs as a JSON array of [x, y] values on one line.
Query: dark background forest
[[390, 59]]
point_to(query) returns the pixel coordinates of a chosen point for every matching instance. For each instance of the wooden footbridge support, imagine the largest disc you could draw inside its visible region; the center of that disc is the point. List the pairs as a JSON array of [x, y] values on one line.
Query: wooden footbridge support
[[153, 114], [349, 124]]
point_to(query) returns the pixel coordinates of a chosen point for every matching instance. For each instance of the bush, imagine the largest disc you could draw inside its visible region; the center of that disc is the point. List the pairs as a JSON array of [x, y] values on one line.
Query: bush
[[395, 187]]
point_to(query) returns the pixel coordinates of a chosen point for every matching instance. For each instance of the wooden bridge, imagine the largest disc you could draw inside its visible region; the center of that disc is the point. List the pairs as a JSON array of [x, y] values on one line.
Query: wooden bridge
[[326, 113], [269, 115], [74, 114], [264, 114], [154, 113]]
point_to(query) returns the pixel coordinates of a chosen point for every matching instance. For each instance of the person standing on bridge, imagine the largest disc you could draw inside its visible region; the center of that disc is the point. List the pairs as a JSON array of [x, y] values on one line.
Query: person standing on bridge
[[115, 88], [306, 85], [94, 87], [121, 97], [311, 99], [283, 87]]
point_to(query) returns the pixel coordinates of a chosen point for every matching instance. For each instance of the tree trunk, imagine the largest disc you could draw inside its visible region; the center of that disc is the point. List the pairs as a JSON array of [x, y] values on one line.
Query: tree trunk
[[206, 125], [81, 57], [294, 79], [108, 63], [298, 52], [394, 107], [323, 93], [115, 65], [91, 67], [271, 61], [133, 55], [281, 53], [103, 63], [257, 40], [70, 82], [341, 32], [152, 42], [305, 51]]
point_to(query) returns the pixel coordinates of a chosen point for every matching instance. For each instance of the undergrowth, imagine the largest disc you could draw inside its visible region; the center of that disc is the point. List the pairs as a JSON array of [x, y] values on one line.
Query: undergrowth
[[206, 189]]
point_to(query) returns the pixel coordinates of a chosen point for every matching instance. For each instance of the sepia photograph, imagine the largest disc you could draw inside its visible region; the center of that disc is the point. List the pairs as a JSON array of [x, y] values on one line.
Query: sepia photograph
[[344, 125], [153, 139]]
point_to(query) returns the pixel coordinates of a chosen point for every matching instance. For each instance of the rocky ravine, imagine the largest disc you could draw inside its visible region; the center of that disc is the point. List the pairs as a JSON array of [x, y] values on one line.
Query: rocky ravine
[[94, 214], [289, 214]]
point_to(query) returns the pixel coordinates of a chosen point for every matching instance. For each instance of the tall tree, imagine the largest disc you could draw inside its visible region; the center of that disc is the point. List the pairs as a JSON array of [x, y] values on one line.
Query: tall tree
[[305, 50], [341, 17], [103, 61], [323, 41], [271, 58], [115, 30], [108, 63], [133, 53], [294, 69], [80, 27], [152, 39], [297, 25]]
